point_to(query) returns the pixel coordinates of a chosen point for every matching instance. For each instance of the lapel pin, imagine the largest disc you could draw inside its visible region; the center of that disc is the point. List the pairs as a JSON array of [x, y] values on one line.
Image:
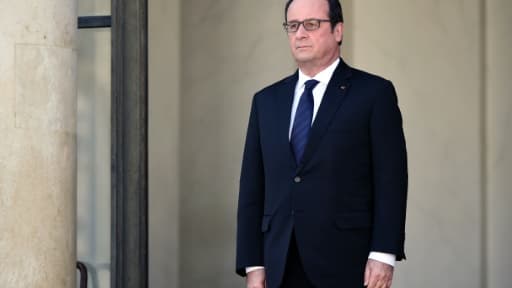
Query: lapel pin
[[342, 87]]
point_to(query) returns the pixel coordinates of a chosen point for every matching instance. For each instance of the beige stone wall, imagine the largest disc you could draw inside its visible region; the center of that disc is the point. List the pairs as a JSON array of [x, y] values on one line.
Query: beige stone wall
[[449, 61], [164, 131], [431, 51], [230, 49], [498, 142], [38, 145]]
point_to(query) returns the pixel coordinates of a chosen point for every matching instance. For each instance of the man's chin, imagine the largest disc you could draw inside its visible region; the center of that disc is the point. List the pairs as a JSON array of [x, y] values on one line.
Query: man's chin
[[303, 58]]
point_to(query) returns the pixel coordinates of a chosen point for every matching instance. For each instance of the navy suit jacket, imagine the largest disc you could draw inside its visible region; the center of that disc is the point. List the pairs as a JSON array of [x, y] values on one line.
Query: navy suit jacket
[[346, 198]]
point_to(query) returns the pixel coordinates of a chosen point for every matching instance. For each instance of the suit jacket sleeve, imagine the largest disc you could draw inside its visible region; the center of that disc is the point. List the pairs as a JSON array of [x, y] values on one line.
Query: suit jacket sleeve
[[389, 173], [250, 200]]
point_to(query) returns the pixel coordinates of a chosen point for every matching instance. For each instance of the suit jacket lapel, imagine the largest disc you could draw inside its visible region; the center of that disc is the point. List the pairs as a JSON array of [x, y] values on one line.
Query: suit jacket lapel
[[332, 100], [283, 105]]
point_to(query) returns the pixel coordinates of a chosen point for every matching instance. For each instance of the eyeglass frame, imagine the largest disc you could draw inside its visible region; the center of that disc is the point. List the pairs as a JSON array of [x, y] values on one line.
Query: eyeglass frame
[[287, 24]]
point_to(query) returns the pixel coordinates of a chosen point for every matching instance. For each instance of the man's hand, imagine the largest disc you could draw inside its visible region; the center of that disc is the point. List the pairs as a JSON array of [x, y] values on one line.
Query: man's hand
[[256, 279], [378, 274]]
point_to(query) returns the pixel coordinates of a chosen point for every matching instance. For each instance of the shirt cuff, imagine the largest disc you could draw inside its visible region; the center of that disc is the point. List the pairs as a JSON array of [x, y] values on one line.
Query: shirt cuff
[[386, 258], [253, 268]]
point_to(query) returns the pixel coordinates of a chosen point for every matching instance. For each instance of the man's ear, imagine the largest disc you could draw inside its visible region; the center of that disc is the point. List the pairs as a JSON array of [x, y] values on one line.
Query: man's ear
[[338, 32]]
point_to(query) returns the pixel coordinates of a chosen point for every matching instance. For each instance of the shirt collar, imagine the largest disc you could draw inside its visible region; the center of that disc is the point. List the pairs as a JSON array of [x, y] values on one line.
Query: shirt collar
[[323, 76]]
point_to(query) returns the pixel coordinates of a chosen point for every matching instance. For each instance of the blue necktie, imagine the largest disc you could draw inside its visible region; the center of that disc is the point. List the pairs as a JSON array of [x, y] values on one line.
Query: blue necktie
[[302, 122]]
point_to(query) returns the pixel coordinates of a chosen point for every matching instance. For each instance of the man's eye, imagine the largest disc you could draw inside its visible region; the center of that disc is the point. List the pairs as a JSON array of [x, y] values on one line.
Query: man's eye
[[310, 25]]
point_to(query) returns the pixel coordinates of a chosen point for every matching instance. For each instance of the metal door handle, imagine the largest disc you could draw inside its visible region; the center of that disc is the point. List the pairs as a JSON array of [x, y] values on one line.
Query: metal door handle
[[83, 274]]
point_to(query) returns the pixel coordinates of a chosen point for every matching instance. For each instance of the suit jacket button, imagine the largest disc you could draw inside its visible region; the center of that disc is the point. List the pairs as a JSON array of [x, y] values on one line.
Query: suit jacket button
[[297, 179]]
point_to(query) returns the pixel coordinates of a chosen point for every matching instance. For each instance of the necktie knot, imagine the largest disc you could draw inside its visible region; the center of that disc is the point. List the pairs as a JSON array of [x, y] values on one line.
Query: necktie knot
[[310, 84]]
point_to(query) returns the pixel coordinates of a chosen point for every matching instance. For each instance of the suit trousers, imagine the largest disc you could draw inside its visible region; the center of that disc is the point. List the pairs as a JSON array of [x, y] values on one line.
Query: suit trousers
[[294, 274]]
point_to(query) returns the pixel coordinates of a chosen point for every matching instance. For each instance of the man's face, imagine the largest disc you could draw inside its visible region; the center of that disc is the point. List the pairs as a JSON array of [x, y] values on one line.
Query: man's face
[[318, 47]]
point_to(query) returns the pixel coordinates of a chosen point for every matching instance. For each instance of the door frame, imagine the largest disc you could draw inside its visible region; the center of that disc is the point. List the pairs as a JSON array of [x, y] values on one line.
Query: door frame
[[129, 237]]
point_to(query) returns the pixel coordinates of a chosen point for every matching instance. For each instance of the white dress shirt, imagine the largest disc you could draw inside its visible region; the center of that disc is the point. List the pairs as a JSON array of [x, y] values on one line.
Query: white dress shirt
[[323, 78]]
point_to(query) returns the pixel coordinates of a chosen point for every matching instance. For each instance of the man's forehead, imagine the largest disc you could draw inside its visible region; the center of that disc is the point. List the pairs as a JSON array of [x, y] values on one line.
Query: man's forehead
[[303, 9]]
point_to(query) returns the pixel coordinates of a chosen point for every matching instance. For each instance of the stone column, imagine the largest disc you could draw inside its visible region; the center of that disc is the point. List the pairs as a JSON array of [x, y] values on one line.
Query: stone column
[[37, 143]]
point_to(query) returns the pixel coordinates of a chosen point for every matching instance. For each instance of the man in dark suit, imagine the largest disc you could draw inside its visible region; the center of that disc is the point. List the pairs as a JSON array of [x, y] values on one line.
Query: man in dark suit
[[324, 175]]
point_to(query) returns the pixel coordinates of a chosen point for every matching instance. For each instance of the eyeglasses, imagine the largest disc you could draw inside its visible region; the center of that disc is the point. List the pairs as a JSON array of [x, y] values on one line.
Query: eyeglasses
[[308, 24]]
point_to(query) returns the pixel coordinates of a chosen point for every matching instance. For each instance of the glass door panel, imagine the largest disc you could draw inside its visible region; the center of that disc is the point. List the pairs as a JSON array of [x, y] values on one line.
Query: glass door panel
[[93, 141]]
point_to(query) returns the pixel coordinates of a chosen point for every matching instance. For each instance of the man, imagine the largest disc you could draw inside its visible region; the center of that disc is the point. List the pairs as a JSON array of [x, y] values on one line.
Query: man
[[324, 175]]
